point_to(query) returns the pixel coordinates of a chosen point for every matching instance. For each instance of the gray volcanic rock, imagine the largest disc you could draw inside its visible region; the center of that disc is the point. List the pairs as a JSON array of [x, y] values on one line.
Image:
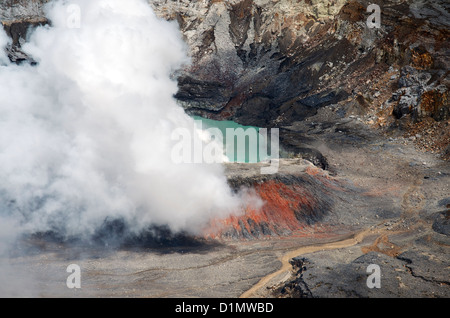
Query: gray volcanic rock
[[17, 17], [244, 45], [15, 10], [414, 90], [275, 62], [410, 274], [309, 67]]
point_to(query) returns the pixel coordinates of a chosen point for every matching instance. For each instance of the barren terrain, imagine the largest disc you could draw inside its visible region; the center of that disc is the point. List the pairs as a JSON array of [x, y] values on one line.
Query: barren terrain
[[394, 214]]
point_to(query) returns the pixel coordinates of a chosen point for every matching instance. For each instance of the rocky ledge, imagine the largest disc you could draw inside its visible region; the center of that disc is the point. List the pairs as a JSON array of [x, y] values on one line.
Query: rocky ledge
[[272, 63]]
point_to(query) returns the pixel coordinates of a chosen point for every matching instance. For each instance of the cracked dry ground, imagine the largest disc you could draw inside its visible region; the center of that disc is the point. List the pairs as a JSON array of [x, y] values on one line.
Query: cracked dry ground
[[393, 213]]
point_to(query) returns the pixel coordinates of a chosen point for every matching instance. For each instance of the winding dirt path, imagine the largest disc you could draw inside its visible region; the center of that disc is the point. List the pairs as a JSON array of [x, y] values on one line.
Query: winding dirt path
[[286, 266], [411, 203]]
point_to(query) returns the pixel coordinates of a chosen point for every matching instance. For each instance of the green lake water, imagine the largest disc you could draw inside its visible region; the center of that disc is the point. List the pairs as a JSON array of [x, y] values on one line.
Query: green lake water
[[239, 151]]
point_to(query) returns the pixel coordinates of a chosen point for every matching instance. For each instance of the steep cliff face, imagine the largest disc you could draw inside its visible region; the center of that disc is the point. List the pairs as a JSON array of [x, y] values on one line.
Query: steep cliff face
[[271, 63], [274, 62], [17, 17], [247, 54], [15, 10]]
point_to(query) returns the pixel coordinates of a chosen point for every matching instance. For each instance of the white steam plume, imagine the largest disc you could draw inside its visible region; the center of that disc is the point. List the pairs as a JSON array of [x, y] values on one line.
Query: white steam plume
[[85, 134]]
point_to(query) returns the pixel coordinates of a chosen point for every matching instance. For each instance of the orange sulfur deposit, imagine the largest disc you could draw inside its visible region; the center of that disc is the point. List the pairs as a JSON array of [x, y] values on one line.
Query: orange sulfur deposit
[[290, 203]]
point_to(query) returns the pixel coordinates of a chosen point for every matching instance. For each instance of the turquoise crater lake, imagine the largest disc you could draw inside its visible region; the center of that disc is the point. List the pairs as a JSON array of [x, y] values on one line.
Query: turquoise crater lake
[[248, 145]]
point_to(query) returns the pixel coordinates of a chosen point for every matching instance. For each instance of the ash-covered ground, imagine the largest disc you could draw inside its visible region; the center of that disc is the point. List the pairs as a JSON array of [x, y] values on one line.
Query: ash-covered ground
[[395, 216]]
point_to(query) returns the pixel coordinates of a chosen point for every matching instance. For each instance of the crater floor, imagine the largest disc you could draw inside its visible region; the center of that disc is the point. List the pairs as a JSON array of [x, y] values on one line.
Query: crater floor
[[390, 209]]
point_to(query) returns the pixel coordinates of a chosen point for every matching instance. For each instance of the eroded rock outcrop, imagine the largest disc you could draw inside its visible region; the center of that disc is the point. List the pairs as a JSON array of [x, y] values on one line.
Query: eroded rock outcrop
[[271, 63]]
